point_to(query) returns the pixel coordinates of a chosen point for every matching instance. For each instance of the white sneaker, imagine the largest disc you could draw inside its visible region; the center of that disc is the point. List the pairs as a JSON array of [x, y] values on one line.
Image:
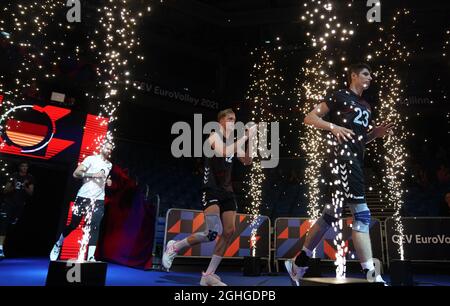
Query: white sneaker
[[211, 280], [92, 259], [379, 279], [54, 254], [169, 254], [2, 255], [295, 272]]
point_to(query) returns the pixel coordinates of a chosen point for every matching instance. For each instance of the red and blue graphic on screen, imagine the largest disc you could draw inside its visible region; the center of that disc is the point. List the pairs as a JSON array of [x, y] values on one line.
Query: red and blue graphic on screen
[[182, 223], [49, 132], [31, 130], [291, 233], [52, 133]]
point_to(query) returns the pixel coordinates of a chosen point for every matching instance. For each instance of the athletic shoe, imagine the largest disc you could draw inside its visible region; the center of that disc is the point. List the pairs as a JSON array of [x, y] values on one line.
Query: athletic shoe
[[378, 278], [169, 254], [54, 254], [2, 255], [92, 259], [295, 272], [211, 280]]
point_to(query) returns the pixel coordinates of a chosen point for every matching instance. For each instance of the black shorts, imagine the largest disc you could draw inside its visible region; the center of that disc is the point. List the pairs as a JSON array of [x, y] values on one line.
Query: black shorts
[[224, 199], [351, 177], [11, 210], [82, 206]]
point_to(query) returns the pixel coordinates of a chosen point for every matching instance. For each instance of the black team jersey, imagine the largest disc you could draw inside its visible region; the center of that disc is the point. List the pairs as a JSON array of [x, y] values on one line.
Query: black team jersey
[[351, 111], [217, 173], [19, 195]]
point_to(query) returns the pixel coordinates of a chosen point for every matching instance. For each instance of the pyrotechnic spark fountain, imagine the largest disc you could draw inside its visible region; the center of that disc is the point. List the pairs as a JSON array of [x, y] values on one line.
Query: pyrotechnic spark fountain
[[24, 27], [389, 54], [264, 87], [327, 36], [115, 43]]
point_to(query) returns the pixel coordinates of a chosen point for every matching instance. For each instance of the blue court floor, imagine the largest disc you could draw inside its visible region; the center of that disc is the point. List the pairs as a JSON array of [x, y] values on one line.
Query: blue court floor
[[33, 272]]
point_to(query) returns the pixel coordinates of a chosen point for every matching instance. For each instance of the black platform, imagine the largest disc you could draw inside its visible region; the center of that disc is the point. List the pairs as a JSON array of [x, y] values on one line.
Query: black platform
[[332, 281], [76, 274]]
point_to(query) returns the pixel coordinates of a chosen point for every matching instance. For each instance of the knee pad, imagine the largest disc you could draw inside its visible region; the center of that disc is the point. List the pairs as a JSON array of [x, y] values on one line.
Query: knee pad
[[329, 216], [212, 230], [361, 217]]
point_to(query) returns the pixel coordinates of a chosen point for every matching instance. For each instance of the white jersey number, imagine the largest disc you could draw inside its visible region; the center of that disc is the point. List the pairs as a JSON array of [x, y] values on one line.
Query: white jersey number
[[365, 121]]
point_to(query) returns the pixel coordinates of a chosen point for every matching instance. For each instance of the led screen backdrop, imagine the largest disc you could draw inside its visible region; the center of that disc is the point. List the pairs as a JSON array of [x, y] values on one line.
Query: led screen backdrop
[[48, 132], [54, 134]]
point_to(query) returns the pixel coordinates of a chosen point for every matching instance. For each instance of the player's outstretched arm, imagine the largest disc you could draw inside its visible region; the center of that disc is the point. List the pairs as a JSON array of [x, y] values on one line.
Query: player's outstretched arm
[[314, 118]]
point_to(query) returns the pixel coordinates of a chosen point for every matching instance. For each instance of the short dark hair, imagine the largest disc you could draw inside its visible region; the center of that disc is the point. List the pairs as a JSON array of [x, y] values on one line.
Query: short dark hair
[[356, 68], [224, 112], [24, 163]]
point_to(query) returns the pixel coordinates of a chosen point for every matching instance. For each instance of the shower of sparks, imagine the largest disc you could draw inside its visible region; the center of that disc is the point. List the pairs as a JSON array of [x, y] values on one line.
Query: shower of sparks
[[388, 56], [114, 44], [327, 37], [24, 27], [84, 241], [446, 46], [264, 87]]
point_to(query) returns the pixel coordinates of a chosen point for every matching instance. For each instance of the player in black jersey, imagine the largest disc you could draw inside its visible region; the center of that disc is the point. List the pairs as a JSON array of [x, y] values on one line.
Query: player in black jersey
[[219, 202], [349, 119], [17, 193]]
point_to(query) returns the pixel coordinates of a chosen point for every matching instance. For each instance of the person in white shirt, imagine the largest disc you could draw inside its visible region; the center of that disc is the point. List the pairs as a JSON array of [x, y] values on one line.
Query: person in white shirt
[[94, 171]]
